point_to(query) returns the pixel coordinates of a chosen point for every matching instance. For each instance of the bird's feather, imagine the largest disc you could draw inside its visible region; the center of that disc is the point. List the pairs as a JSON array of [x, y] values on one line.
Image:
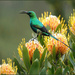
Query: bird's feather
[[36, 23], [43, 30]]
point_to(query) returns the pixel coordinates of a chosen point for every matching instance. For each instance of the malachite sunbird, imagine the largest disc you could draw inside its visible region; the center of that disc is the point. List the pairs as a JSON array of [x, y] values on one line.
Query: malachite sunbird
[[38, 27]]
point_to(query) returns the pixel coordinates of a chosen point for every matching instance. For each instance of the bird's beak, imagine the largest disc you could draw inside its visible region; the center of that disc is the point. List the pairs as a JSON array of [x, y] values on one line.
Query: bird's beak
[[23, 12]]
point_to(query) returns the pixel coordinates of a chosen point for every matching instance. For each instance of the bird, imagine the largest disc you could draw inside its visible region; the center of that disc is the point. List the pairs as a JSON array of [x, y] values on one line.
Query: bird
[[38, 27]]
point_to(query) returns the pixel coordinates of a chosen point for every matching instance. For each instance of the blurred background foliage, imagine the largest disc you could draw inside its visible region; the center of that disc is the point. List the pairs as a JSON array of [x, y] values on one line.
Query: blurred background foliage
[[14, 26]]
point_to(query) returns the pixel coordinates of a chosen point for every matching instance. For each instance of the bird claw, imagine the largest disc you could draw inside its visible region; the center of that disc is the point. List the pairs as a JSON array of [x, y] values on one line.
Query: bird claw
[[33, 38]]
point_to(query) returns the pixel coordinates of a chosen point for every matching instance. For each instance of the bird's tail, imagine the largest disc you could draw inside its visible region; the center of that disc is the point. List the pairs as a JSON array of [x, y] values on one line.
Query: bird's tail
[[61, 42]]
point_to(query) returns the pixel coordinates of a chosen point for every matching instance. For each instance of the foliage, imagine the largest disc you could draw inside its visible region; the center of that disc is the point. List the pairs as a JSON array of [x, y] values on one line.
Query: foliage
[[54, 65]]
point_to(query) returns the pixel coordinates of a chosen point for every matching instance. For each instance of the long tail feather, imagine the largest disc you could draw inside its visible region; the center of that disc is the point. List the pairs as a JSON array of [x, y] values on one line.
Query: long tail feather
[[61, 42]]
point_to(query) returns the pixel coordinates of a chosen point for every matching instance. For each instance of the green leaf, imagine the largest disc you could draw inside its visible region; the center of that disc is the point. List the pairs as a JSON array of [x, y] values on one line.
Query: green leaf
[[49, 65], [20, 68], [52, 69], [43, 56], [66, 70], [46, 61], [72, 45], [71, 58], [74, 70], [36, 55], [43, 71], [34, 70], [49, 72], [54, 52], [41, 39], [48, 28], [58, 71], [26, 58], [72, 36], [58, 27]]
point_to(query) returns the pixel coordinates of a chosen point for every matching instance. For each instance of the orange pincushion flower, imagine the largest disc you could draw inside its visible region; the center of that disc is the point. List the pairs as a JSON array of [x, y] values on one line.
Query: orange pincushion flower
[[58, 45], [8, 68], [53, 22], [50, 20], [31, 46]]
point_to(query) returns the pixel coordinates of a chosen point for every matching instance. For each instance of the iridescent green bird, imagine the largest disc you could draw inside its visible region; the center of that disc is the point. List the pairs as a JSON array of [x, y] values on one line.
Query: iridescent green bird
[[38, 27]]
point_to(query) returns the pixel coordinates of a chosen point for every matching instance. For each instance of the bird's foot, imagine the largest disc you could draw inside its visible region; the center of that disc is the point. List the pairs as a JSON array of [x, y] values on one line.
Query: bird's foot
[[33, 38]]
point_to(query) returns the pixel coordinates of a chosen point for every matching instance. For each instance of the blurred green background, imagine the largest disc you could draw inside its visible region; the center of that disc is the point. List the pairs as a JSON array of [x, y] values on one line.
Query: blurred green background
[[15, 26]]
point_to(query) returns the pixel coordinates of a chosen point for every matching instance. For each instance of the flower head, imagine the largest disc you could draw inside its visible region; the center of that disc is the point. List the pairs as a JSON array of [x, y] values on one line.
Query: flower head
[[53, 22], [50, 42], [71, 22], [50, 20], [8, 68], [31, 46]]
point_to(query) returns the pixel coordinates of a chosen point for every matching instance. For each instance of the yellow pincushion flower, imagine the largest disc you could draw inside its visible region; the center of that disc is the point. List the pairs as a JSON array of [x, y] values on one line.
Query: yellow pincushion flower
[[50, 20], [50, 42], [8, 68], [53, 22], [71, 22], [31, 46]]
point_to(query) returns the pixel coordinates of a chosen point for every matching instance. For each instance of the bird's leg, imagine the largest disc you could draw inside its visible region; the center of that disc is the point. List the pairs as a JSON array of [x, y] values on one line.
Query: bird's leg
[[34, 38]]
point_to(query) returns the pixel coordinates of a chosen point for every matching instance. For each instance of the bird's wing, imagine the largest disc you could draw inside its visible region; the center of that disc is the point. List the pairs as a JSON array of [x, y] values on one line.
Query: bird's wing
[[41, 28], [37, 24]]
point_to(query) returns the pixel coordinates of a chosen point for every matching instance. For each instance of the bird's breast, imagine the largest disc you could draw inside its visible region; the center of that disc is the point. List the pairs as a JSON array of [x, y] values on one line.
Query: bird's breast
[[33, 28]]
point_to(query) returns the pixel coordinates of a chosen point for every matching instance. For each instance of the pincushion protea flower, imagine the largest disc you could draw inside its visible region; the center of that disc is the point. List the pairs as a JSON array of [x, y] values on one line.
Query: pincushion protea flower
[[60, 47], [50, 20], [53, 21], [71, 22], [31, 46], [8, 68]]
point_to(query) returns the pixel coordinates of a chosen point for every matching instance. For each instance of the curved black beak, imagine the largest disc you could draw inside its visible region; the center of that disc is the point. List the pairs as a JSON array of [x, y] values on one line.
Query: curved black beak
[[23, 12]]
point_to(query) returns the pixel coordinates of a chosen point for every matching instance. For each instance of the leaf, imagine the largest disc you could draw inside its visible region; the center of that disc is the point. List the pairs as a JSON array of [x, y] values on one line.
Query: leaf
[[52, 69], [43, 56], [74, 70], [71, 58], [54, 52], [73, 36], [73, 47], [34, 70], [43, 71], [49, 65], [46, 61], [36, 55], [41, 39], [58, 71], [20, 68], [48, 28], [49, 72], [58, 27], [26, 58], [66, 70]]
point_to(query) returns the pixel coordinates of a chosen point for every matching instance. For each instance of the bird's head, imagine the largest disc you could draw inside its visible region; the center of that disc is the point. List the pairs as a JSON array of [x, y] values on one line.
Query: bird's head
[[32, 14]]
